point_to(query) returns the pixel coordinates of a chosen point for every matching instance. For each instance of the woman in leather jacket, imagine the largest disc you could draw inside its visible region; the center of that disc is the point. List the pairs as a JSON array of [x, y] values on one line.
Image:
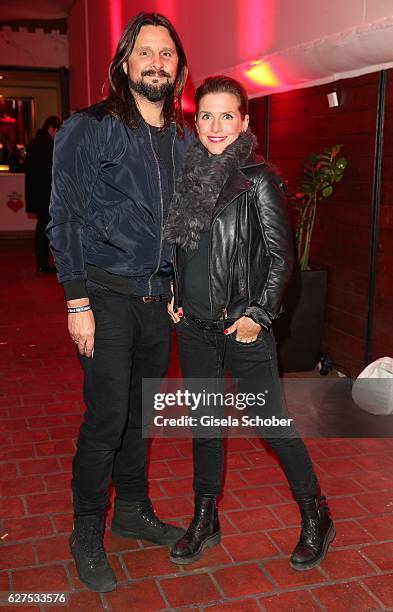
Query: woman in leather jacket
[[233, 257]]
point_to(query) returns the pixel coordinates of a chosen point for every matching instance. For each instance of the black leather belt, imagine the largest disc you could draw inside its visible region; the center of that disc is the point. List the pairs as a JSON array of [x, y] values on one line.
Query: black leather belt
[[206, 325], [146, 299]]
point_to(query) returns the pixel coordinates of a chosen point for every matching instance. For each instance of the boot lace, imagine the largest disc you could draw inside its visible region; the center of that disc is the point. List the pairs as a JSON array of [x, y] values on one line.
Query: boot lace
[[91, 541]]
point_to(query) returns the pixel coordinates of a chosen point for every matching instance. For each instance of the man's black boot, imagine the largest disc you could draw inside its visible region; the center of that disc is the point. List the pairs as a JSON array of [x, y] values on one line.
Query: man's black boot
[[138, 520], [89, 554], [317, 533], [203, 532]]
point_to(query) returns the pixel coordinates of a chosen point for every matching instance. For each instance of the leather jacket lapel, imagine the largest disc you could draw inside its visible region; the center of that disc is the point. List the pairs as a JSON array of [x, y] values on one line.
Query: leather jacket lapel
[[236, 184]]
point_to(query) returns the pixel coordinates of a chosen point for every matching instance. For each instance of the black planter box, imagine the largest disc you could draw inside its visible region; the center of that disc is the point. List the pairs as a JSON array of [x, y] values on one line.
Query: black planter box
[[299, 329]]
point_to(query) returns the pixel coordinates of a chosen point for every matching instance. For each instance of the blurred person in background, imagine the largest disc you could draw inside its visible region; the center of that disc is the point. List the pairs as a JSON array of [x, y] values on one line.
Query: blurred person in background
[[38, 182]]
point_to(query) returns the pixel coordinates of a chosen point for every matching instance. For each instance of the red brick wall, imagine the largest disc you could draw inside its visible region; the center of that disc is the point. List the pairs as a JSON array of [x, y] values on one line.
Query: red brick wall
[[301, 122]]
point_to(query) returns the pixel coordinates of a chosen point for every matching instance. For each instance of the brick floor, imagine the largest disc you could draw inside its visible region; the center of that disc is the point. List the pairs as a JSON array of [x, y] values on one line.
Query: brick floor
[[40, 410]]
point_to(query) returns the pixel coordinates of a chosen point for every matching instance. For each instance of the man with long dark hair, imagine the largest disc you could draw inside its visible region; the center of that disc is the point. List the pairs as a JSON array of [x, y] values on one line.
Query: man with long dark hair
[[115, 165]]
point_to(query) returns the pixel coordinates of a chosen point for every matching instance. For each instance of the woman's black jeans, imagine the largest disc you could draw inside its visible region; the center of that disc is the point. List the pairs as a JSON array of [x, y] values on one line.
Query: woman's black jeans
[[209, 354]]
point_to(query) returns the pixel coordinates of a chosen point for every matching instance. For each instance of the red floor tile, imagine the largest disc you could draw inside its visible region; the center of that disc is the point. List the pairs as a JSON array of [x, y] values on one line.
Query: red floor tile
[[253, 520], [4, 581], [349, 533], [211, 558], [261, 476], [27, 484], [285, 539], [344, 597], [174, 507], [159, 469], [176, 486], [374, 480], [63, 447], [41, 579], [58, 482], [192, 589], [45, 421], [346, 507], [382, 588], [380, 527], [380, 554], [342, 486], [18, 555], [258, 496], [49, 502], [8, 469], [238, 605], [137, 596], [39, 466], [241, 580], [53, 549], [149, 563], [300, 601], [11, 507], [16, 451], [63, 522], [249, 546], [32, 435], [12, 424], [81, 602], [285, 576], [346, 564], [377, 504], [31, 527]]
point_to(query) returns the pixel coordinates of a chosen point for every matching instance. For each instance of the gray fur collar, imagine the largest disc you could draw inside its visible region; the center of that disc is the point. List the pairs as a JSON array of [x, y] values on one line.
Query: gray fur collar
[[198, 186]]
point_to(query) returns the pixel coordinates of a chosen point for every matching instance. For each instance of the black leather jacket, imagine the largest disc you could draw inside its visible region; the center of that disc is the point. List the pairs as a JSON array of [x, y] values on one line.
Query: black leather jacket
[[251, 248]]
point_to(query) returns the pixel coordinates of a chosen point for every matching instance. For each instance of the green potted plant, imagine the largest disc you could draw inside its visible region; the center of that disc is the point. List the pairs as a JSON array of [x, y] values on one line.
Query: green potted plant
[[299, 329]]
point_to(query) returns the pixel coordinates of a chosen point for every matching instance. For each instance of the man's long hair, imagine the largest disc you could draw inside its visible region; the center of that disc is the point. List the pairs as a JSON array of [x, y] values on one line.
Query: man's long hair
[[120, 102]]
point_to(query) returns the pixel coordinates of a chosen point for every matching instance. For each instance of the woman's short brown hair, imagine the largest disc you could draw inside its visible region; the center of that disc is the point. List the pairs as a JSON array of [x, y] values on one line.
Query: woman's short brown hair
[[222, 84]]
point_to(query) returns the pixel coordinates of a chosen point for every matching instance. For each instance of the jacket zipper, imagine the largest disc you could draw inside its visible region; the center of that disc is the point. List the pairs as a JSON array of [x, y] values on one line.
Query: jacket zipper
[[243, 271], [173, 161], [209, 276], [211, 227], [161, 209]]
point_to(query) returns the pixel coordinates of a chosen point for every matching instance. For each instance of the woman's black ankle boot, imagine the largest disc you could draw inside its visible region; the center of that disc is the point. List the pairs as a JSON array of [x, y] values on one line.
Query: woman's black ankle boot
[[317, 533], [203, 532]]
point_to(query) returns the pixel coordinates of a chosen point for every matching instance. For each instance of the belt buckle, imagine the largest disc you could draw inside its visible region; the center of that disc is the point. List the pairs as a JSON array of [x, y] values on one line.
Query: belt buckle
[[151, 298]]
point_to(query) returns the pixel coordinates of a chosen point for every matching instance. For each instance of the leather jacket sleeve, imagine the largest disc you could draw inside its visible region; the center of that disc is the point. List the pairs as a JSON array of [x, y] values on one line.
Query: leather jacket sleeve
[[271, 204]]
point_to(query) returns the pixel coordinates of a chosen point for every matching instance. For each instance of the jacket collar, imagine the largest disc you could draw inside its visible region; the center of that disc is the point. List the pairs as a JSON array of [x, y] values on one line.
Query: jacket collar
[[236, 184]]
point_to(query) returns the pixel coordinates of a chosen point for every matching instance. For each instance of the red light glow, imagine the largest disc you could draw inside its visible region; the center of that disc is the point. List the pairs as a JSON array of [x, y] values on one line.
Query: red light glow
[[255, 27]]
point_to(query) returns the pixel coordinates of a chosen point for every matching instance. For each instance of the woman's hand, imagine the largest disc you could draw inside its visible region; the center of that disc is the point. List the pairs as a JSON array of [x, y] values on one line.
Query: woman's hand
[[175, 316], [246, 330]]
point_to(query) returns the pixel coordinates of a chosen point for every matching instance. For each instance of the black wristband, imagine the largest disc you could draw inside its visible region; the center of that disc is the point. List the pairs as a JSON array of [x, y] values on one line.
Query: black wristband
[[78, 309]]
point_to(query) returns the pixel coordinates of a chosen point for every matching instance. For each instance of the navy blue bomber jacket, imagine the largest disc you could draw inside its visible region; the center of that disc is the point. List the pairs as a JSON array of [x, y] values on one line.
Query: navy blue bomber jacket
[[108, 201]]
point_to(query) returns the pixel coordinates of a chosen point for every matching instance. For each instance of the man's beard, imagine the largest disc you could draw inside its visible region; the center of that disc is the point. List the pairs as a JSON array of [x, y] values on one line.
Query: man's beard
[[153, 93]]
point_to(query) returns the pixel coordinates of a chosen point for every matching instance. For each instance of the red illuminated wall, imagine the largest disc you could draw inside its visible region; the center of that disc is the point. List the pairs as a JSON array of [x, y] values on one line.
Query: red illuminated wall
[[301, 122]]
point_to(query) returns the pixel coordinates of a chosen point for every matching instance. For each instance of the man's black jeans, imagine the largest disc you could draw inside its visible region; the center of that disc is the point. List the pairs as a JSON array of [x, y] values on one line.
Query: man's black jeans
[[209, 354], [132, 341]]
